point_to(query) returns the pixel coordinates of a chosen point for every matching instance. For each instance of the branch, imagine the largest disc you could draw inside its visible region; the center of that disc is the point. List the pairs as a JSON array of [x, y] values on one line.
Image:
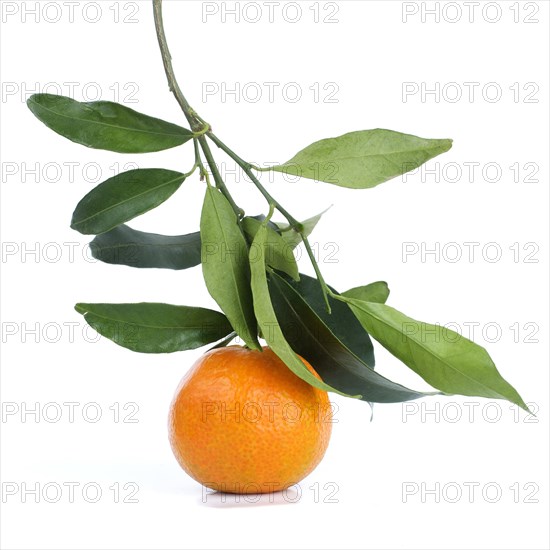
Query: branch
[[169, 69], [196, 122]]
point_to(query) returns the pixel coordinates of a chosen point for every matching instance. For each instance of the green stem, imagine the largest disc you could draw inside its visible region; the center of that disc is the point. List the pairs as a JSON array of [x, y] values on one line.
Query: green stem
[[260, 169], [324, 287], [205, 128], [192, 171], [169, 69], [270, 214], [220, 184], [242, 163], [296, 225], [198, 125], [247, 168], [197, 151], [198, 160]]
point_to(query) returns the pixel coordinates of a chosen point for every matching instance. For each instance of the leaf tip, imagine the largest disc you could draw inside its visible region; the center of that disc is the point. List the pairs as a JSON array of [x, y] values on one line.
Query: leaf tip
[[522, 405], [75, 227], [447, 144], [81, 308]]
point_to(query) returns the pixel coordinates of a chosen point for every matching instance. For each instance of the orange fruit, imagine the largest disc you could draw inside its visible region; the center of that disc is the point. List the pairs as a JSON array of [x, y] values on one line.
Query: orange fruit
[[242, 422]]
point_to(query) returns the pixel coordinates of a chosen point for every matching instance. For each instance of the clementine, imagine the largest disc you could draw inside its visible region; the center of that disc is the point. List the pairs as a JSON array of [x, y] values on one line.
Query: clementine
[[242, 422]]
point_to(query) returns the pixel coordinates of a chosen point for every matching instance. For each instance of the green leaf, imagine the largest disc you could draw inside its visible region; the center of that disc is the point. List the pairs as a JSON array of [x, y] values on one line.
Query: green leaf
[[359, 160], [225, 342], [126, 246], [267, 319], [156, 328], [341, 321], [123, 197], [291, 237], [375, 292], [225, 265], [106, 125], [270, 224], [279, 254], [335, 344], [440, 356]]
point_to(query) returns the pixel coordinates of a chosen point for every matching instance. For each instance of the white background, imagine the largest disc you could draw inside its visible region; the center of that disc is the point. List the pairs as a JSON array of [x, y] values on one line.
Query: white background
[[369, 53]]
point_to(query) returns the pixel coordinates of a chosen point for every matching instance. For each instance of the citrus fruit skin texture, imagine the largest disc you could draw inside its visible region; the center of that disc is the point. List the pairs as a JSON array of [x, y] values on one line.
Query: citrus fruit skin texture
[[242, 422]]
